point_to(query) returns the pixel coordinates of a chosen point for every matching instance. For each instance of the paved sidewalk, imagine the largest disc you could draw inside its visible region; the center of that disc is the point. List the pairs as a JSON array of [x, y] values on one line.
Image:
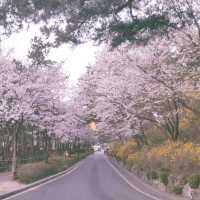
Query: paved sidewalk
[[7, 184]]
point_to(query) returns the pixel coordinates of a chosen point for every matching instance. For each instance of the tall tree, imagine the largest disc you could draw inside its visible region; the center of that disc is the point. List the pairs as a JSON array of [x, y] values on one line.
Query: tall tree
[[28, 96]]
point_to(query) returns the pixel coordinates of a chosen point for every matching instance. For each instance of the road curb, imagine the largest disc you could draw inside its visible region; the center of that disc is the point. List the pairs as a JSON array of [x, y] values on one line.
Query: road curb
[[40, 182]]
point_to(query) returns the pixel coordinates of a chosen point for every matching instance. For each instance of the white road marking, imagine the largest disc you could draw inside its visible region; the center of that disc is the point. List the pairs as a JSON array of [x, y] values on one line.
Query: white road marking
[[39, 186], [130, 184]]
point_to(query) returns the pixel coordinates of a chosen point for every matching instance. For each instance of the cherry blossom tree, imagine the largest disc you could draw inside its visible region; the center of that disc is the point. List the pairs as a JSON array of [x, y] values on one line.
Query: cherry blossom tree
[[130, 87], [28, 96]]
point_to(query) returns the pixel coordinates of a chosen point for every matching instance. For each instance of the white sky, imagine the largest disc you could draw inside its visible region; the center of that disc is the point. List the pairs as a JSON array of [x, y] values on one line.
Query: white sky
[[75, 59]]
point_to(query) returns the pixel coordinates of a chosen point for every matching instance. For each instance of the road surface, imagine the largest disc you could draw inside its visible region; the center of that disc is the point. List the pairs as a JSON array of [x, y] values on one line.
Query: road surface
[[94, 179]]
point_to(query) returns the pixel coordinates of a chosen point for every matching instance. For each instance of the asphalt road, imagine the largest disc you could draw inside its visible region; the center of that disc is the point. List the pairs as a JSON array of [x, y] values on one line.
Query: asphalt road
[[94, 179]]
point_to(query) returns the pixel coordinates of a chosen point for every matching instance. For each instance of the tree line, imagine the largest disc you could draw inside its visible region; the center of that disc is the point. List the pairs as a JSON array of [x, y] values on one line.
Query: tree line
[[133, 88], [34, 117]]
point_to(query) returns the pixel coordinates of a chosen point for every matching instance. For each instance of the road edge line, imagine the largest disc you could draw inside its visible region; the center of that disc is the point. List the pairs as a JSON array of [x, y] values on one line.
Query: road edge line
[[129, 182]]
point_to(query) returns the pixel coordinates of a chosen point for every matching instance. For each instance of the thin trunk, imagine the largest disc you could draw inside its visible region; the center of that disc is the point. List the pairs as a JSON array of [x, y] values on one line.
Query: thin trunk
[[14, 156], [32, 142], [46, 147], [177, 120]]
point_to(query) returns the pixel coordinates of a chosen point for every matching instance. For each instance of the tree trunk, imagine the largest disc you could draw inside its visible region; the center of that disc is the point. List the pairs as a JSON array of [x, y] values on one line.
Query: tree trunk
[[46, 140], [14, 156]]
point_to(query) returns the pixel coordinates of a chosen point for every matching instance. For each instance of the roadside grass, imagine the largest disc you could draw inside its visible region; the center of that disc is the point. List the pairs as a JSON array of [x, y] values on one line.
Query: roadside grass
[[31, 172]]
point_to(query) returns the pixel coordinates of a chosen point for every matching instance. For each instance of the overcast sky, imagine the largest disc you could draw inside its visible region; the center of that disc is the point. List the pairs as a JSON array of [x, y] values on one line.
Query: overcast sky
[[75, 59]]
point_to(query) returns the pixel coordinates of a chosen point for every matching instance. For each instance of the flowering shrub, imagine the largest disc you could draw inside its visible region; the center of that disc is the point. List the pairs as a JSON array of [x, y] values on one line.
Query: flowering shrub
[[114, 148], [179, 157], [126, 149], [121, 151]]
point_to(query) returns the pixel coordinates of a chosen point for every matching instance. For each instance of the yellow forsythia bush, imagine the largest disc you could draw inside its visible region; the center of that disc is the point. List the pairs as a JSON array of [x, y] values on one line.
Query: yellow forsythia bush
[[122, 150], [178, 157], [127, 148], [114, 148]]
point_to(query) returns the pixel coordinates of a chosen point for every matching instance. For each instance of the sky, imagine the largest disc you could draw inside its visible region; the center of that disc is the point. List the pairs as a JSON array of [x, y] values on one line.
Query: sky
[[74, 59]]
